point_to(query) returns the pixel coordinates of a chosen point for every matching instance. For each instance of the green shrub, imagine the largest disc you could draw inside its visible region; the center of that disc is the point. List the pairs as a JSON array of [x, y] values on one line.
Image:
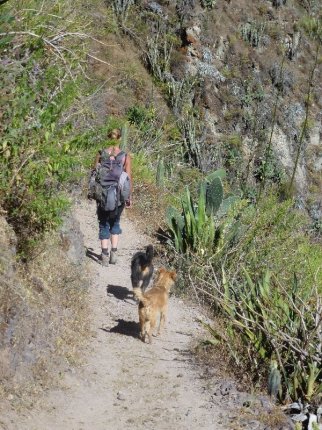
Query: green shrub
[[141, 170], [208, 4], [266, 279], [40, 79], [279, 321], [141, 116]]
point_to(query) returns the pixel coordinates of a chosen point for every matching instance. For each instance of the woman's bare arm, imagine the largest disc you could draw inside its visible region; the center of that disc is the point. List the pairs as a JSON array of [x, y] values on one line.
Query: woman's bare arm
[[127, 168], [97, 159]]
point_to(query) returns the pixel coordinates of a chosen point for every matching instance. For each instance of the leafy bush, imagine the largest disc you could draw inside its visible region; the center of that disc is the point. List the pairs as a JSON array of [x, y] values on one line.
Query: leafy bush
[[281, 322], [40, 78], [141, 116], [208, 4]]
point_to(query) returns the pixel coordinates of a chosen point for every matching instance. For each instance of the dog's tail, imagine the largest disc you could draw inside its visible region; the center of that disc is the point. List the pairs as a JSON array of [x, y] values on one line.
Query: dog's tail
[[149, 254], [139, 295]]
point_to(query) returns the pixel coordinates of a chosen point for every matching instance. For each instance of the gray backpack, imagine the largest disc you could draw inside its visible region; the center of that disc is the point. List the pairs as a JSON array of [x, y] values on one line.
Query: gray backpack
[[109, 184]]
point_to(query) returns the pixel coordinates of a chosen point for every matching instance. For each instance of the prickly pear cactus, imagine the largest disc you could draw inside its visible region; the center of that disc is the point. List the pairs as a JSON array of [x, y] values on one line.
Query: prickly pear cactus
[[226, 205], [214, 195]]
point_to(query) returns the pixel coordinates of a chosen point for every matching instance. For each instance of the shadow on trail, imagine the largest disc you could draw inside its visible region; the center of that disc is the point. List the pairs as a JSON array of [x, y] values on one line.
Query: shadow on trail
[[91, 254], [128, 328], [121, 293]]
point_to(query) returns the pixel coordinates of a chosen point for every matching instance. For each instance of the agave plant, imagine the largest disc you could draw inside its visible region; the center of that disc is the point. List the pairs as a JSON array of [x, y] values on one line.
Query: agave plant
[[284, 328], [196, 226]]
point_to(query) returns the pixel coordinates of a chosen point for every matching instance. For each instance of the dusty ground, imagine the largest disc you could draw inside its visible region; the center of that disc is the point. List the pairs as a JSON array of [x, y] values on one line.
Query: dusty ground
[[125, 383]]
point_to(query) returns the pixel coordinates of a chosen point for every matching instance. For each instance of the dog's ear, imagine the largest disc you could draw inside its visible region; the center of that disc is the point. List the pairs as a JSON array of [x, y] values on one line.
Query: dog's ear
[[173, 275], [161, 270]]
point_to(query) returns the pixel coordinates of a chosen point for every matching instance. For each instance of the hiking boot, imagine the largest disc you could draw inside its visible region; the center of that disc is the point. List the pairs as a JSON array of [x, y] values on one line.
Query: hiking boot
[[113, 257], [104, 260]]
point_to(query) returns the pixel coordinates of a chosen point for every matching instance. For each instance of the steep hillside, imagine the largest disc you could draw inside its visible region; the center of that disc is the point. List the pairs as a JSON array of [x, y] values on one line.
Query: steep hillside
[[243, 80]]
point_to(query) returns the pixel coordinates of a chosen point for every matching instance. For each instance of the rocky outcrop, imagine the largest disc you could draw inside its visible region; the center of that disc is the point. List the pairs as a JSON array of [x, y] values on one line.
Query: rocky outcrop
[[72, 240], [247, 69]]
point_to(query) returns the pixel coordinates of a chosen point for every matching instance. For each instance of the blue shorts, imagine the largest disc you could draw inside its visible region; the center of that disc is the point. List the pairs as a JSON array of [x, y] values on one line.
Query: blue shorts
[[109, 222]]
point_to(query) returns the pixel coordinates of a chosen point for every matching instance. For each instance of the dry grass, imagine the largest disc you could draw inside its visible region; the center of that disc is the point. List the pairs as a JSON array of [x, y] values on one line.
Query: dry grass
[[126, 82], [44, 321]]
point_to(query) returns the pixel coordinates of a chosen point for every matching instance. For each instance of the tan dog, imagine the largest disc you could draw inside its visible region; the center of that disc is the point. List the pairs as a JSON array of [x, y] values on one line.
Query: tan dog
[[153, 302]]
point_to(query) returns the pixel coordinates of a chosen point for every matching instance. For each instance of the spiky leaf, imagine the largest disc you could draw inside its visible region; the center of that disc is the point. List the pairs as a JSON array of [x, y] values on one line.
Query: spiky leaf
[[220, 173]]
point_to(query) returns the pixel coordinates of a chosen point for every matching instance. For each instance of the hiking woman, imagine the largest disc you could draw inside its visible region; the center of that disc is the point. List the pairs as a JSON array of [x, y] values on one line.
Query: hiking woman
[[109, 221]]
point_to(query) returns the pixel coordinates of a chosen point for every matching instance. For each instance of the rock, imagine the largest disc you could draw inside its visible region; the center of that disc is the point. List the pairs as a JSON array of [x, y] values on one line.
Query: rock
[[192, 34], [278, 3], [265, 40], [288, 426], [283, 151], [283, 80], [38, 283], [222, 47], [293, 116], [312, 419], [185, 9], [120, 396], [250, 424], [319, 413], [266, 403], [299, 418], [207, 56], [207, 70], [226, 388], [155, 7], [72, 240], [7, 250]]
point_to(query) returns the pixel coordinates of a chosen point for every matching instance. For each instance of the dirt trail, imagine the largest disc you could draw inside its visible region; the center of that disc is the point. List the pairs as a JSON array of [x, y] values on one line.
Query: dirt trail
[[125, 383]]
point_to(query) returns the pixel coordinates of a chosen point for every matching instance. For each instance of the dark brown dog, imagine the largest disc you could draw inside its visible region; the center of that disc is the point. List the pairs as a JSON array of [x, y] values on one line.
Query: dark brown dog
[[142, 268], [154, 302]]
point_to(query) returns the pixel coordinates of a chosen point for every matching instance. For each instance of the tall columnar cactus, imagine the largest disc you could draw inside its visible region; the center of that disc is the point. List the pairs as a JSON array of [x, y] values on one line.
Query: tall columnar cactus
[[274, 380], [124, 138], [160, 173], [252, 32]]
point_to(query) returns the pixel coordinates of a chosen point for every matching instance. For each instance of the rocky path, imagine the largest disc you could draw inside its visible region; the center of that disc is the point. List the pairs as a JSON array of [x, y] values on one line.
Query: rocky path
[[125, 383]]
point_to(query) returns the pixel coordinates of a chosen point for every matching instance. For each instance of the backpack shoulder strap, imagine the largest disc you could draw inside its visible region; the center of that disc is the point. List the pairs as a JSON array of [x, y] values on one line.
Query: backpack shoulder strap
[[121, 155], [103, 154]]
